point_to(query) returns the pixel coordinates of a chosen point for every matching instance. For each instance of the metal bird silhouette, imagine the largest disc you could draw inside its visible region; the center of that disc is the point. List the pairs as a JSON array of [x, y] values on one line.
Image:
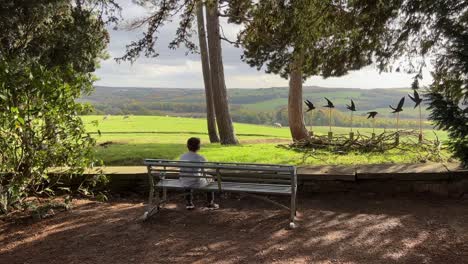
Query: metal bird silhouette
[[399, 108], [351, 107], [372, 114], [416, 98], [329, 106], [310, 105], [329, 103]]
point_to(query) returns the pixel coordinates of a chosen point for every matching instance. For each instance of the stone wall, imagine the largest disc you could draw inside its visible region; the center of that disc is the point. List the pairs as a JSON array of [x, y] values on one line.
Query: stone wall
[[455, 187]]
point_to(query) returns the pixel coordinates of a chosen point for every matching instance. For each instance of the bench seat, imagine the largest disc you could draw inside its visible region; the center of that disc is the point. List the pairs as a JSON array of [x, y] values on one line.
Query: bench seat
[[263, 188]]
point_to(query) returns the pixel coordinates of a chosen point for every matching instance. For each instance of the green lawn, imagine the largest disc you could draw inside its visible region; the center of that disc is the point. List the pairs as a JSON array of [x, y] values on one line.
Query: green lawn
[[139, 137]]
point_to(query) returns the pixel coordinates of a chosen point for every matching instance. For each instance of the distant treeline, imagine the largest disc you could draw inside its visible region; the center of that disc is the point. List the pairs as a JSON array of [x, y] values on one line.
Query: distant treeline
[[148, 101], [242, 115]]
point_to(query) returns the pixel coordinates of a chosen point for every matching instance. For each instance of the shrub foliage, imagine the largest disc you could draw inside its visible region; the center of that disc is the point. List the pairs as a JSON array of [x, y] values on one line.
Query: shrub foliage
[[48, 52]]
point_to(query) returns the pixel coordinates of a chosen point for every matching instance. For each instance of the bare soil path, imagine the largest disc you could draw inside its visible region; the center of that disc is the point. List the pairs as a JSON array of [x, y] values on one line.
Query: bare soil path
[[332, 229]]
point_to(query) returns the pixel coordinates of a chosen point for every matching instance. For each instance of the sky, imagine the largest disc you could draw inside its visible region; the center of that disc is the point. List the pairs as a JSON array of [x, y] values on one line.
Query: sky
[[176, 69]]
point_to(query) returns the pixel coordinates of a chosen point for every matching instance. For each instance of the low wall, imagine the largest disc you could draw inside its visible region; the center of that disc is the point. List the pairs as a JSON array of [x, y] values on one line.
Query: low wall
[[446, 180], [446, 188]]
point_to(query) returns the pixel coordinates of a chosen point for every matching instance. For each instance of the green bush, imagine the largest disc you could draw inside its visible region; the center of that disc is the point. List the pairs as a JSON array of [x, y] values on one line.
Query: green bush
[[39, 128]]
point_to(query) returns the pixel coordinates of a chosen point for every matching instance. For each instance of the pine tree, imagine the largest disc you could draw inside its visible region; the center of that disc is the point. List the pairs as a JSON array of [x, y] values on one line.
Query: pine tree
[[437, 29], [298, 39]]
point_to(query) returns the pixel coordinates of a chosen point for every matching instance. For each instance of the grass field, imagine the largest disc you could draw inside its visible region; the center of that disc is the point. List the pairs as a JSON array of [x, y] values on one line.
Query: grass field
[[133, 139]]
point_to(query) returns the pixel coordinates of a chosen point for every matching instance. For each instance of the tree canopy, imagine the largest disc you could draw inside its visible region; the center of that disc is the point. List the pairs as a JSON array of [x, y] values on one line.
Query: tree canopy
[[332, 37]]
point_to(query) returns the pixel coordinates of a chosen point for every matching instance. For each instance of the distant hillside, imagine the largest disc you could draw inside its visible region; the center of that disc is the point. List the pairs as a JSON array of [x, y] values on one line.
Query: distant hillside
[[248, 105]]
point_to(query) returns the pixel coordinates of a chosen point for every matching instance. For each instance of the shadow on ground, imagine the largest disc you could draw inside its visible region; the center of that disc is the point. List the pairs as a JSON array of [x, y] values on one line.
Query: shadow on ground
[[332, 229]]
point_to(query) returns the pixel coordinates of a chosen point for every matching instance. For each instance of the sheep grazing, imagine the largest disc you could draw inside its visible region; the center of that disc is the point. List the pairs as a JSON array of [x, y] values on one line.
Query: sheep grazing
[[106, 117], [277, 125], [126, 117]]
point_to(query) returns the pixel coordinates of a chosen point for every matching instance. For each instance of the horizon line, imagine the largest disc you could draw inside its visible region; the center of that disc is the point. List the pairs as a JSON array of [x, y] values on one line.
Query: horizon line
[[272, 87]]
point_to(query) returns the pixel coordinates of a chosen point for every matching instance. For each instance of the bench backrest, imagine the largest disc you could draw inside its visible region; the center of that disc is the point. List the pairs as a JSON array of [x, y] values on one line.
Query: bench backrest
[[226, 171]]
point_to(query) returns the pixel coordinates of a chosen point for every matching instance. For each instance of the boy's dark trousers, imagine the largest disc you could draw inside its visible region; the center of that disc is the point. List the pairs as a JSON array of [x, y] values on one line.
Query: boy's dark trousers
[[189, 197]]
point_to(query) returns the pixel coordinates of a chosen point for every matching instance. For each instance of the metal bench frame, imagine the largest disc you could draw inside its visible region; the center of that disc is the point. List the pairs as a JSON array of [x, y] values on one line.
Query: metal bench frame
[[247, 178]]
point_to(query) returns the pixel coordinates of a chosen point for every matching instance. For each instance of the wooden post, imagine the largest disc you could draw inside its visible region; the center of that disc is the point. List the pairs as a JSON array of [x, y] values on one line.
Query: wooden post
[[330, 133], [373, 126], [351, 135], [311, 132], [397, 136], [397, 121], [420, 126]]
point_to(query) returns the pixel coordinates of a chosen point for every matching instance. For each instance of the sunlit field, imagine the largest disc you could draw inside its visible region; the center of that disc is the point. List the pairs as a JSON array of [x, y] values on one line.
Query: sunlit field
[[127, 141]]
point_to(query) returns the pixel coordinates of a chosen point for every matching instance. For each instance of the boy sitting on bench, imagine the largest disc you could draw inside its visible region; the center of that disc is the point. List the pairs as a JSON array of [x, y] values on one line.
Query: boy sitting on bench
[[195, 176]]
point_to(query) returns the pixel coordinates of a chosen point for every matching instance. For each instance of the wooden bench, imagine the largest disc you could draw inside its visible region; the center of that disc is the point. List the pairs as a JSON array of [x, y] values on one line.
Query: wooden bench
[[247, 178]]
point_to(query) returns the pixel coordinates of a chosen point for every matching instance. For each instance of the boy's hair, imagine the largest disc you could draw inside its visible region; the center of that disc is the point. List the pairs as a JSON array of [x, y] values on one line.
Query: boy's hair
[[193, 144]]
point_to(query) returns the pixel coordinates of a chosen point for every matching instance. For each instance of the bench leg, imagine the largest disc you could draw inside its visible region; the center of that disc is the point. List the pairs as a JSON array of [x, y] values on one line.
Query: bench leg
[[164, 197], [153, 203], [292, 216]]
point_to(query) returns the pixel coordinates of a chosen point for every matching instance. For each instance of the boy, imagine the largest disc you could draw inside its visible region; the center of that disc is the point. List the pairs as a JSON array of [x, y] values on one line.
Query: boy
[[193, 145]]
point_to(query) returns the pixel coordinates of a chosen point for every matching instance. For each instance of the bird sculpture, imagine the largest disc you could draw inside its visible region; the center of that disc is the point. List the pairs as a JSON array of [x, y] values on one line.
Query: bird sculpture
[[329, 106], [398, 109], [417, 100], [351, 108], [372, 115], [310, 107]]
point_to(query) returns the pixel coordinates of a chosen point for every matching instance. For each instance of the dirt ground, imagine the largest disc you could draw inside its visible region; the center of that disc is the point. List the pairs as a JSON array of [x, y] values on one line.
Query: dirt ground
[[332, 229]]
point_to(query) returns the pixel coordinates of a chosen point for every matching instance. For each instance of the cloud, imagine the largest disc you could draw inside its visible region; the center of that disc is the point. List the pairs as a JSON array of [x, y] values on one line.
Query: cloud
[[176, 69]]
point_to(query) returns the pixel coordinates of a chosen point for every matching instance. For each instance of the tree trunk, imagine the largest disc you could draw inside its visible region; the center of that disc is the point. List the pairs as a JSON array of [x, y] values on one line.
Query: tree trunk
[[220, 100], [295, 112], [210, 111]]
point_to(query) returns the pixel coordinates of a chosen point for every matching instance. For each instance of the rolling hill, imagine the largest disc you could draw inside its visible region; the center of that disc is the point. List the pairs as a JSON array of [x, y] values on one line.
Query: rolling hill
[[259, 106]]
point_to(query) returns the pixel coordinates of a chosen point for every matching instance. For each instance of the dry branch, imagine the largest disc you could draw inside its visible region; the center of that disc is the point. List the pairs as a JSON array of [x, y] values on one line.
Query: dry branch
[[380, 143]]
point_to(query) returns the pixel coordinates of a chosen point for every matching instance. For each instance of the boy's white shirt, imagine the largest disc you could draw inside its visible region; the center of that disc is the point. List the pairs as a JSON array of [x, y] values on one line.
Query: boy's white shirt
[[192, 181]]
